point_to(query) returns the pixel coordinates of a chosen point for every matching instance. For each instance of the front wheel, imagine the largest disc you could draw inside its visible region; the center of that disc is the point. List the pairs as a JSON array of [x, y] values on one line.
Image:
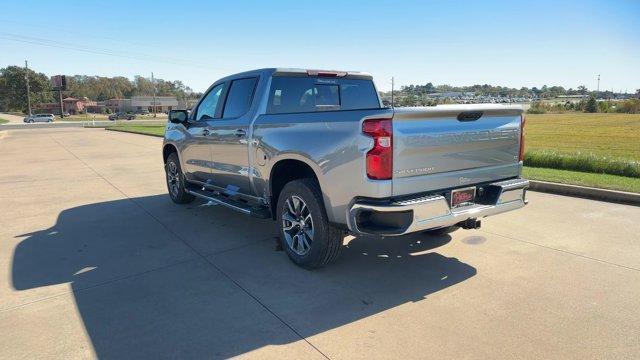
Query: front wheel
[[176, 182], [305, 233]]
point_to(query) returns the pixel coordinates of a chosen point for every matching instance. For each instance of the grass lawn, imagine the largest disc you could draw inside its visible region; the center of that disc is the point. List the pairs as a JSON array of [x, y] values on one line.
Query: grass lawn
[[616, 135], [603, 181], [3, 121], [155, 130]]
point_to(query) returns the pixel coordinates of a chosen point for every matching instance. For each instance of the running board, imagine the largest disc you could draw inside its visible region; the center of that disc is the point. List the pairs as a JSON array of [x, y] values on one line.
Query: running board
[[240, 206]]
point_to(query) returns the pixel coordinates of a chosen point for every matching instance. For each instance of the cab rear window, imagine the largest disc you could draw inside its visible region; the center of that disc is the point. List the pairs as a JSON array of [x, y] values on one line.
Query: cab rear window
[[311, 94]]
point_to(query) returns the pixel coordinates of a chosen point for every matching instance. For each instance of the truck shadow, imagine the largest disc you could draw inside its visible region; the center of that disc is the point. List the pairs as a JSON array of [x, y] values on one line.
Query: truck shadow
[[142, 293]]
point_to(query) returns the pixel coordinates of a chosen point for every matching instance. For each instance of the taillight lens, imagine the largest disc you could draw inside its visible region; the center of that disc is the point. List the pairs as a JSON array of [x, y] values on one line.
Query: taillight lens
[[380, 157], [522, 121]]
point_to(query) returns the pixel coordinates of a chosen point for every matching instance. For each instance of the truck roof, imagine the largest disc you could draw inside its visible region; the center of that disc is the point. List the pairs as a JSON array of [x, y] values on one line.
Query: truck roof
[[303, 72]]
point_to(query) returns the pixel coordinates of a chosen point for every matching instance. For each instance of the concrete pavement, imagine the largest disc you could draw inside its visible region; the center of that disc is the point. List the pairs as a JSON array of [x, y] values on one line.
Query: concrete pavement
[[13, 119], [97, 262]]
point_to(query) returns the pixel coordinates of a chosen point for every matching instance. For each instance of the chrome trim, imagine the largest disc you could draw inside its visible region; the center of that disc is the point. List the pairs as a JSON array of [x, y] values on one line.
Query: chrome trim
[[434, 211]]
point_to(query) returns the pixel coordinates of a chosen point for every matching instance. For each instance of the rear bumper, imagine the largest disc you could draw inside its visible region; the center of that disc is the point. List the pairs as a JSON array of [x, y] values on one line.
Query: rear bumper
[[433, 211]]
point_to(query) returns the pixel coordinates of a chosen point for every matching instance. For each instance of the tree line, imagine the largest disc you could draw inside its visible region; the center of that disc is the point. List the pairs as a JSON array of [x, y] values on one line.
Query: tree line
[[13, 94]]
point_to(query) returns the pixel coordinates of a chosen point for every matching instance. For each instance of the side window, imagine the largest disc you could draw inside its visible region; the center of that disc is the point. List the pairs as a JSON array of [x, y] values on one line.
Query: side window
[[209, 105], [239, 98]]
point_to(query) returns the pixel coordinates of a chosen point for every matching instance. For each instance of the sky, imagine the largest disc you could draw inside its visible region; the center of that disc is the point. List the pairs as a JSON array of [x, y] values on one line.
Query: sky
[[509, 43]]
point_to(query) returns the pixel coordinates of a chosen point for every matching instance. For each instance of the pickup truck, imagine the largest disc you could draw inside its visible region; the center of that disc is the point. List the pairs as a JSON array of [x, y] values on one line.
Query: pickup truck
[[317, 152]]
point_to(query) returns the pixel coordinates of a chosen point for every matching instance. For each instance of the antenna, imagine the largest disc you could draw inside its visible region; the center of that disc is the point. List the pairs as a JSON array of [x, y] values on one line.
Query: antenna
[[392, 85]]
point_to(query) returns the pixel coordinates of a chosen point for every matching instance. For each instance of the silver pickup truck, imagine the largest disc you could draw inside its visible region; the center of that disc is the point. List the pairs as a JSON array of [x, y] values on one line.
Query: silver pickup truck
[[317, 152]]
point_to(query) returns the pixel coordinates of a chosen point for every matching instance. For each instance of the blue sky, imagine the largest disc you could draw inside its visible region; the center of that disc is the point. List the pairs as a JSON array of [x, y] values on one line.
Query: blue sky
[[511, 43]]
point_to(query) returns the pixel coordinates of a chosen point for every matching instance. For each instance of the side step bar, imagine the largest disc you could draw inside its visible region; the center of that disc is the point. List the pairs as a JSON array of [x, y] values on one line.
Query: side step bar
[[240, 206]]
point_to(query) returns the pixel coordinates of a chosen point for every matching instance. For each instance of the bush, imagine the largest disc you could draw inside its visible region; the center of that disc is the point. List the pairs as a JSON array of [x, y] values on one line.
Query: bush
[[585, 162], [630, 106], [537, 107], [591, 106]]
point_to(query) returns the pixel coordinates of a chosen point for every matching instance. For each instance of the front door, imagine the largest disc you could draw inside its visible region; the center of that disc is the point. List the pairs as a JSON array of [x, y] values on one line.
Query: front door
[[196, 153], [228, 139]]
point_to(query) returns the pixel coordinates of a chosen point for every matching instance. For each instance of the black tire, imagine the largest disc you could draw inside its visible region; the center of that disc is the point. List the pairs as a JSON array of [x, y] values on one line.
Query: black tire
[[443, 231], [175, 181], [325, 243]]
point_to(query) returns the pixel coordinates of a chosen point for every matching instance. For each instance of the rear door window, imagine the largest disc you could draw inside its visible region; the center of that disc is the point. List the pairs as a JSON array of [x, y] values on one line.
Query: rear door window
[[239, 98], [310, 94]]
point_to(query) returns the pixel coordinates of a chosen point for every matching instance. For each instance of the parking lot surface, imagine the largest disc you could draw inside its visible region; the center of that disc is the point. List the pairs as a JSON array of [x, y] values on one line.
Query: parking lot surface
[[96, 261]]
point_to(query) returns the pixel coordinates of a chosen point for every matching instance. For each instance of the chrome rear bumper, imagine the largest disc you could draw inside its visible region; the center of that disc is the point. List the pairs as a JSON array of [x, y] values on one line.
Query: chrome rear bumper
[[433, 211]]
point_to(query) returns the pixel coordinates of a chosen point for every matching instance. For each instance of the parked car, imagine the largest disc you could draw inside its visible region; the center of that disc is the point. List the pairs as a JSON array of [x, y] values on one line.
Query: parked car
[[122, 115], [39, 118], [318, 153]]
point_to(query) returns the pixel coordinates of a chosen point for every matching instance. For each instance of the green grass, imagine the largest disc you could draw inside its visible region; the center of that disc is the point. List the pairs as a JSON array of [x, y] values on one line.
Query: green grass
[[154, 130], [3, 121], [586, 162], [601, 134], [603, 181]]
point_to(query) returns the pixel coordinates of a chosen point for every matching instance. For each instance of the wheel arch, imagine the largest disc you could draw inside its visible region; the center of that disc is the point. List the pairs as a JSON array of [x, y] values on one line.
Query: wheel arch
[[286, 170]]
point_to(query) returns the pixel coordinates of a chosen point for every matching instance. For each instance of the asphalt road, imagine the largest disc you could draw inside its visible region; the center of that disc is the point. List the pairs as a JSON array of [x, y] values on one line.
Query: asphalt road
[[97, 262]]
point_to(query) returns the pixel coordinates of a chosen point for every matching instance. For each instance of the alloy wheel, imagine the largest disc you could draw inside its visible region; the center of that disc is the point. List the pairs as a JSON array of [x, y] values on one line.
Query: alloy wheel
[[297, 225], [172, 178]]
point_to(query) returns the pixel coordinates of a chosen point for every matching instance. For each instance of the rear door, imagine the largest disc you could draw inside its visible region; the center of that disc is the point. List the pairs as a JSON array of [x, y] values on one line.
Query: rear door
[[452, 146], [228, 138], [196, 151]]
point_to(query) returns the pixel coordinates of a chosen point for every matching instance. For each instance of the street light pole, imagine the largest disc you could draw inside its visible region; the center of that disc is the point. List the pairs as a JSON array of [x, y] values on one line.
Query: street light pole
[[26, 77], [154, 94]]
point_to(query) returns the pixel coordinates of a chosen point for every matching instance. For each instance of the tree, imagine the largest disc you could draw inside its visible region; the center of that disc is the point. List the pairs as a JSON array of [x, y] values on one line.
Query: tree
[[13, 88], [591, 106]]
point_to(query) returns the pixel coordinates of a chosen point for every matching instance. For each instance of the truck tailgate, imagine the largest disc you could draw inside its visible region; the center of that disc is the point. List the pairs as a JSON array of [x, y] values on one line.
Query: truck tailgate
[[450, 146]]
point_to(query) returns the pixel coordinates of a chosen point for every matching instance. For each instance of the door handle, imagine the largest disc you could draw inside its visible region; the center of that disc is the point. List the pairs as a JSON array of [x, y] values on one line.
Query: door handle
[[240, 132]]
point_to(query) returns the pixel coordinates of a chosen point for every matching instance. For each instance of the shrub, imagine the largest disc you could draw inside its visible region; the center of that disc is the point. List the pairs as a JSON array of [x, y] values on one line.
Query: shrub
[[630, 106], [585, 162], [591, 106]]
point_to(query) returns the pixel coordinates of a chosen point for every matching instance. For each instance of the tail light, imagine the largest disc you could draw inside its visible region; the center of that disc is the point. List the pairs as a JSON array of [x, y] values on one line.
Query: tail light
[[380, 158], [521, 154]]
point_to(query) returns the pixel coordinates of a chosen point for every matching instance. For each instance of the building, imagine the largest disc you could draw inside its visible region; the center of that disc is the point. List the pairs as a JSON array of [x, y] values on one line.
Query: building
[[146, 103], [70, 105], [140, 104]]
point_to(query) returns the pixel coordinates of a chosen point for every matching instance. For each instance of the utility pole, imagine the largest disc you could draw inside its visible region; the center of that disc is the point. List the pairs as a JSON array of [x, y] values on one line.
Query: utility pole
[[598, 83], [154, 94], [392, 86], [26, 77]]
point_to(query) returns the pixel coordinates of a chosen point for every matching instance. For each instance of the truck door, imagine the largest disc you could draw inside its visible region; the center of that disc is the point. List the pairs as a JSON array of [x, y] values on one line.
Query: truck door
[[228, 138], [196, 154]]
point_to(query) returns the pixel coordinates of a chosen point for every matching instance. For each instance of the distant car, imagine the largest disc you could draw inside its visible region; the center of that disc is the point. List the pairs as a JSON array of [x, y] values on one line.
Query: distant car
[[121, 115], [38, 118], [143, 112]]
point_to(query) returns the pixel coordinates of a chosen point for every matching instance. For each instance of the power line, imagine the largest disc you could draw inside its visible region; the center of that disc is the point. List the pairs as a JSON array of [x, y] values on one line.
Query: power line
[[100, 51]]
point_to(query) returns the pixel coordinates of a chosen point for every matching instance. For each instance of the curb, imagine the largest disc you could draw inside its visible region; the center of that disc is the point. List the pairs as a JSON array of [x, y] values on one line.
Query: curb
[[133, 132], [620, 197]]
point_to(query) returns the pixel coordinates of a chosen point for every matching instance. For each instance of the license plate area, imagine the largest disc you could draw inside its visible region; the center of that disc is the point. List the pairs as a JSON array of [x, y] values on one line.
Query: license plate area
[[463, 197]]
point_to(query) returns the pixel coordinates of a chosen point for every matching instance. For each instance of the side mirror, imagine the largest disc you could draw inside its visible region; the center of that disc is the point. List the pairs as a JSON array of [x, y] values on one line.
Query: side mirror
[[178, 116]]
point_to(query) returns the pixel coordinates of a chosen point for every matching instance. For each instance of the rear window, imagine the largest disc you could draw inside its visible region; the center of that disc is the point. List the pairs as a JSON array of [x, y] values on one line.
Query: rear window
[[310, 94], [239, 98]]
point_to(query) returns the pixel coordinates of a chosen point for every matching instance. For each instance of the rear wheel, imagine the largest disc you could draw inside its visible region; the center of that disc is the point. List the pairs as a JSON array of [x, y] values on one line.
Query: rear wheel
[[176, 182], [305, 233]]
